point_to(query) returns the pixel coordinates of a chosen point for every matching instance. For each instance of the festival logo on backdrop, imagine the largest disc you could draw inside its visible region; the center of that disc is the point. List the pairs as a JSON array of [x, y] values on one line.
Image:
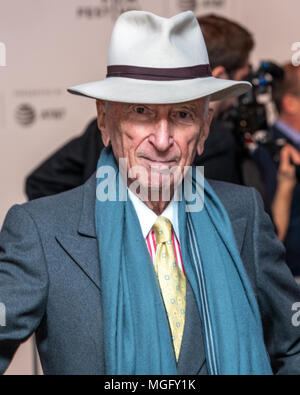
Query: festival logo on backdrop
[[35, 105], [106, 8], [193, 5], [185, 5], [25, 114]]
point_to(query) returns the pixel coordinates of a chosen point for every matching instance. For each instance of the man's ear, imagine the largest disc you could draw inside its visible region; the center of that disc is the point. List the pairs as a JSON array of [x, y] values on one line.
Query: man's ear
[[290, 104], [220, 72], [205, 132], [101, 121]]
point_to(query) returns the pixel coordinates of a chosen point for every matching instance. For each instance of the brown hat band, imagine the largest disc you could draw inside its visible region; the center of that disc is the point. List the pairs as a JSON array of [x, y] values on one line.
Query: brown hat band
[[155, 74]]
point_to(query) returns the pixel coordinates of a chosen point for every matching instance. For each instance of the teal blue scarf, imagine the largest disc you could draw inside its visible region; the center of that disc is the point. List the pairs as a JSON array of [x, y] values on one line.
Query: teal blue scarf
[[136, 330]]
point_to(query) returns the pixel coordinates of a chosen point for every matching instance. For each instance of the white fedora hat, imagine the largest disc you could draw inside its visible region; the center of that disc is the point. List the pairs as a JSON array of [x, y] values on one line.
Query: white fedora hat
[[159, 60]]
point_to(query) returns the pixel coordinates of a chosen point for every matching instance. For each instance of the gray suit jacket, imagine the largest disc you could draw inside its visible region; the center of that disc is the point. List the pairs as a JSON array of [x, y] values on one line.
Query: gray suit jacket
[[50, 283]]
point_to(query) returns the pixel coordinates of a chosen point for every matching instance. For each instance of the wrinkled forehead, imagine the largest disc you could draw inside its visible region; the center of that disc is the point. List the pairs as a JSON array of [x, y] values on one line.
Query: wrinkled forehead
[[198, 106]]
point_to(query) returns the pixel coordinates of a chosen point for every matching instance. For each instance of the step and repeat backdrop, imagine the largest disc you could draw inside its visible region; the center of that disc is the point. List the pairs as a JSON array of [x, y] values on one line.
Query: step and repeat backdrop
[[47, 46]]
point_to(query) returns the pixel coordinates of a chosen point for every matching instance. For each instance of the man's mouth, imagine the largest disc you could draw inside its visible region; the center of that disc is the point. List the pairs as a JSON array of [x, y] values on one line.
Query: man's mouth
[[161, 166]]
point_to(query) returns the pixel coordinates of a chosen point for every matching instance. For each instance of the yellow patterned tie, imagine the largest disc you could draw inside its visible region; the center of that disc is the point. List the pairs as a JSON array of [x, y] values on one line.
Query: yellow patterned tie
[[171, 280]]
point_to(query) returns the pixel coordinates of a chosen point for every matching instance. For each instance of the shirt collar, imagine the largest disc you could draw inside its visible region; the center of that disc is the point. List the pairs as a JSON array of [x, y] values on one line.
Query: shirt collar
[[288, 131], [148, 217]]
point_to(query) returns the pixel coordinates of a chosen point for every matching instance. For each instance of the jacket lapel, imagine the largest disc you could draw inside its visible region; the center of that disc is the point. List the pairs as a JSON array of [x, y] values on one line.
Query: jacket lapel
[[239, 230], [192, 355], [82, 246], [84, 252]]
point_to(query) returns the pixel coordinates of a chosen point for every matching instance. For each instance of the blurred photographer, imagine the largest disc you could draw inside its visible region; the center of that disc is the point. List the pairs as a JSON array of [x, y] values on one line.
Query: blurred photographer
[[286, 183], [229, 48], [286, 135]]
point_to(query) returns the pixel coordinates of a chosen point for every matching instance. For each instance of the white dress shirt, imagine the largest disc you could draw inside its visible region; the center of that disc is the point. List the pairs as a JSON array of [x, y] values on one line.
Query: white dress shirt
[[147, 219]]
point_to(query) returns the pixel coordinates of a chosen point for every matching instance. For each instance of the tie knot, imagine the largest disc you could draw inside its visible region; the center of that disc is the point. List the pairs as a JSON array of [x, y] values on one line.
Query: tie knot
[[162, 230]]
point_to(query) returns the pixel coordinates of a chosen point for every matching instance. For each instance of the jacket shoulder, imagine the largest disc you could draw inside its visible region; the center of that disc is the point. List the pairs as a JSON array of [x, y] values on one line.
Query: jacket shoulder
[[233, 193], [56, 213], [61, 202], [222, 186], [63, 212], [238, 200]]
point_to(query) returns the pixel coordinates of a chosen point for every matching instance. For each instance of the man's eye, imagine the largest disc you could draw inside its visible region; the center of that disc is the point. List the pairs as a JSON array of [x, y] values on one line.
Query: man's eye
[[140, 110], [184, 115]]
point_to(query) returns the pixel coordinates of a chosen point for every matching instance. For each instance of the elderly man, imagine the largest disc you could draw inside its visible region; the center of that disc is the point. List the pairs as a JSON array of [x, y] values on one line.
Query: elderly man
[[136, 283], [229, 47]]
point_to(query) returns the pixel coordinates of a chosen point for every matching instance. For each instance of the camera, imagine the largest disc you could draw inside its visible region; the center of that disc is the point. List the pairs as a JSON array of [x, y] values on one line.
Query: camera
[[251, 117], [274, 147]]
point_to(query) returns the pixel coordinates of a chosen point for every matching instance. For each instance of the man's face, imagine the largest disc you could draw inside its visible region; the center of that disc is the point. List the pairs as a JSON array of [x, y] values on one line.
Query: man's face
[[241, 73], [155, 137], [290, 112], [296, 99]]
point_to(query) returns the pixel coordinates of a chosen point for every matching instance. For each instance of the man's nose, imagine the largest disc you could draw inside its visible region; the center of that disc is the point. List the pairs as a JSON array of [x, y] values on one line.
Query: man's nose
[[161, 137]]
